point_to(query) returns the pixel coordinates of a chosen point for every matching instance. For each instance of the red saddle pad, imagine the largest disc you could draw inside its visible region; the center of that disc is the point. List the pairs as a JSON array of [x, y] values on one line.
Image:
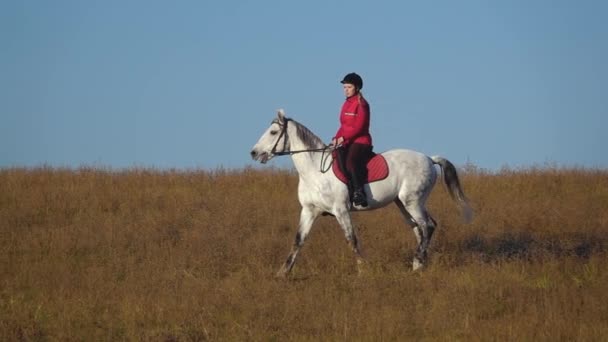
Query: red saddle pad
[[377, 170]]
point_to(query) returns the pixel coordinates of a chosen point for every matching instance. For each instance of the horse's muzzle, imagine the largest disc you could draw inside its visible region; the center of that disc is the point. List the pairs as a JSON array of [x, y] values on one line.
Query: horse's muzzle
[[261, 157]]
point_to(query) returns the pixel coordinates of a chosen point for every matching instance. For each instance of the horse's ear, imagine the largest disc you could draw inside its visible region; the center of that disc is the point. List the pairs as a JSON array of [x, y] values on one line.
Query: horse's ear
[[281, 115]]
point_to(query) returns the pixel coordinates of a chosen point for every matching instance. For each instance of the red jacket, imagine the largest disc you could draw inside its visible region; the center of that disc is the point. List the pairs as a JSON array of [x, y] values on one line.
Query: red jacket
[[354, 121]]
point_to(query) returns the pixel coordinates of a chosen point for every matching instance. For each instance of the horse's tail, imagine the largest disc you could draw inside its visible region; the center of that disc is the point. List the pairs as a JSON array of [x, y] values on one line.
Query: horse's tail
[[451, 181]]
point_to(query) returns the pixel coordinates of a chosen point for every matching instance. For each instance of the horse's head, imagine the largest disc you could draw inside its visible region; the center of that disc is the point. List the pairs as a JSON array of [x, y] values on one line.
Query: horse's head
[[273, 141]]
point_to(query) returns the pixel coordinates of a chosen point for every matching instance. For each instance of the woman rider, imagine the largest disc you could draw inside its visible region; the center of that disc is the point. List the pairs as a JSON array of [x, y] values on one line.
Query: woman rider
[[353, 138]]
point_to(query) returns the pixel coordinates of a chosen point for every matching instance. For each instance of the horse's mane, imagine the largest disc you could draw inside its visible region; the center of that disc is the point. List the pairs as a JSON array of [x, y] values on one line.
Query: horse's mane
[[307, 137]]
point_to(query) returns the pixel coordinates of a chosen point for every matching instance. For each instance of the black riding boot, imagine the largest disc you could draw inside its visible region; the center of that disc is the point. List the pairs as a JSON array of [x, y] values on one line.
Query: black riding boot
[[359, 197]]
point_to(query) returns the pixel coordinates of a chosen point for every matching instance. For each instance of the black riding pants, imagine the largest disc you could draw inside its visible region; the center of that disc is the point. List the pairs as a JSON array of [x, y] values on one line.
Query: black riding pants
[[353, 160]]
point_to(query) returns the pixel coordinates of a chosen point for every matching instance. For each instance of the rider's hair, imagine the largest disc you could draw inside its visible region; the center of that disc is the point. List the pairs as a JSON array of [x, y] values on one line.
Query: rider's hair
[[360, 96]]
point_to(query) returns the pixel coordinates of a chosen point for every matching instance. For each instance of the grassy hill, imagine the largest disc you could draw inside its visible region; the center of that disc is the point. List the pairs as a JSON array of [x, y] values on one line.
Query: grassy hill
[[93, 254]]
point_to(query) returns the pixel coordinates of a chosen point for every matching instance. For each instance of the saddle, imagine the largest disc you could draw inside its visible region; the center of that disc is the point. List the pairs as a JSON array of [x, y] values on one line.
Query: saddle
[[377, 169]]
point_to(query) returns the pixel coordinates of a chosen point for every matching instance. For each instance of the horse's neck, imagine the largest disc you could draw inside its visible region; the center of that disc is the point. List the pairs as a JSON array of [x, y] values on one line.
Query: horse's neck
[[307, 163]]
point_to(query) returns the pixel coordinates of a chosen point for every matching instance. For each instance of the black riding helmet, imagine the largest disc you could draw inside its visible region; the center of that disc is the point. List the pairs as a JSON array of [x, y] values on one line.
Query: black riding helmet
[[353, 79]]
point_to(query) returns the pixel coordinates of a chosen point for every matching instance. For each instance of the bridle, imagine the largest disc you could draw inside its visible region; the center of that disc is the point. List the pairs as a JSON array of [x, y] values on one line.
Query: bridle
[[323, 150]]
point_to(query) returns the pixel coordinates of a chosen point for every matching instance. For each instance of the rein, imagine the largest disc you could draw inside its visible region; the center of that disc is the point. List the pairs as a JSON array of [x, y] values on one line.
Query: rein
[[301, 151], [323, 150]]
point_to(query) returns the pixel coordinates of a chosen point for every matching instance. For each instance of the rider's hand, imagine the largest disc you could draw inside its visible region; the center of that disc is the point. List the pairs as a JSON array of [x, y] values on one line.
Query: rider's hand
[[336, 142]]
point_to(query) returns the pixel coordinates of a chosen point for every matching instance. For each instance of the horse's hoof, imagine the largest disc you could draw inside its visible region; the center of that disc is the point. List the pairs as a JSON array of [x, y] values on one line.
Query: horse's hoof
[[417, 264], [281, 274], [360, 266]]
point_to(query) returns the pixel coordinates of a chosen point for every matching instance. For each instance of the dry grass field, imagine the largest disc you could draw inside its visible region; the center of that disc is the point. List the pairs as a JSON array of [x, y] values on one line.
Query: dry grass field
[[93, 254]]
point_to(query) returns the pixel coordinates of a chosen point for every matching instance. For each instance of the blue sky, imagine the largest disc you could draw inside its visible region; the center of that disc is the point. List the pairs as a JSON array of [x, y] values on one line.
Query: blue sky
[[193, 84]]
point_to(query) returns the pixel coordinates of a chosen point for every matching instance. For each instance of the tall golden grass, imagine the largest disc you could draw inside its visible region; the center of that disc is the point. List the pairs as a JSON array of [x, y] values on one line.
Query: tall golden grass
[[143, 254]]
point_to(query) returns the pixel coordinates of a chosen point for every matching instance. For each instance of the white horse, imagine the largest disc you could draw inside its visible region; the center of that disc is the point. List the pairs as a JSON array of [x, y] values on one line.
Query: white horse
[[409, 183]]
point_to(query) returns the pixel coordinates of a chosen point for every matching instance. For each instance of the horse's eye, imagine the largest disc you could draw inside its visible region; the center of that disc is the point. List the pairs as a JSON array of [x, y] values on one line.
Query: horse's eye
[[274, 132]]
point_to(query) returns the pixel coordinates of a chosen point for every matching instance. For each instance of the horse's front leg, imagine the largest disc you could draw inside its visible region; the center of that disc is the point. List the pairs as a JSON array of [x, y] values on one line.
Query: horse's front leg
[[307, 218], [344, 219]]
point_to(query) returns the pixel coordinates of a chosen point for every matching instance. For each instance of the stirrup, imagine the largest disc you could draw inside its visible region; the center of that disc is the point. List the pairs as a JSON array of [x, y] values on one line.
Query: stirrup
[[359, 198]]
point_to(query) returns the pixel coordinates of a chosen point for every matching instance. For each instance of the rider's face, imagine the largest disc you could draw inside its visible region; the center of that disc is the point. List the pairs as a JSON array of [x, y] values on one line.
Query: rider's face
[[349, 90]]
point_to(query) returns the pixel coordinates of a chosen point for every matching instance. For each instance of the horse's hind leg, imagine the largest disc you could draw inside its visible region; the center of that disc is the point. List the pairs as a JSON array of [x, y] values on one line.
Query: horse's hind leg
[[422, 224], [424, 229], [432, 225], [307, 218], [406, 216]]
